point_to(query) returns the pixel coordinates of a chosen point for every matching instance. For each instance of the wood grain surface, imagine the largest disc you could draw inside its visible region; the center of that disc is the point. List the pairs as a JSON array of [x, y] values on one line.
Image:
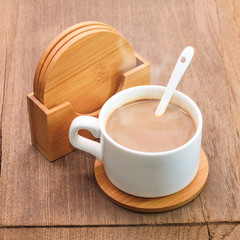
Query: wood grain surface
[[109, 233], [223, 231], [35, 192]]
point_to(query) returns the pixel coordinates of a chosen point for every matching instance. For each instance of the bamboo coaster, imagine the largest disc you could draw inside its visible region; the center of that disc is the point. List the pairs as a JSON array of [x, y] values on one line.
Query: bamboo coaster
[[61, 43], [161, 204], [87, 69], [56, 40]]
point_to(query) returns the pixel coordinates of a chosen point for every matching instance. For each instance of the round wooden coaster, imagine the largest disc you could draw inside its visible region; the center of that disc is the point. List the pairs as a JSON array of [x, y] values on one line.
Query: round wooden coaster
[[61, 43], [86, 71], [55, 41], [161, 204]]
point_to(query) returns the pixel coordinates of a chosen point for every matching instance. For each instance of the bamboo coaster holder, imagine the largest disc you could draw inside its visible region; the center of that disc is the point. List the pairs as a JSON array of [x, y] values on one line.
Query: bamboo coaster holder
[[49, 127]]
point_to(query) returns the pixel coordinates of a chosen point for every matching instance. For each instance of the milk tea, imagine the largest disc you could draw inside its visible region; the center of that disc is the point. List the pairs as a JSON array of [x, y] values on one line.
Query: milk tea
[[135, 126]]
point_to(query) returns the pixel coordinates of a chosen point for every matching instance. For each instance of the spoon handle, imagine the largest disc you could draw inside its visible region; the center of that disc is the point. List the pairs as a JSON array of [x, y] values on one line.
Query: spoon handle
[[181, 66]]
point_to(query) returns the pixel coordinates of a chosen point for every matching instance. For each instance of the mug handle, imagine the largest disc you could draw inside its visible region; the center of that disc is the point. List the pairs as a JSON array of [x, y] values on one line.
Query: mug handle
[[91, 124]]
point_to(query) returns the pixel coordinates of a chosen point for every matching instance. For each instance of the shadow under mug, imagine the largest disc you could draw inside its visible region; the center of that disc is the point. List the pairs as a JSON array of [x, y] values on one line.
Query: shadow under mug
[[138, 173]]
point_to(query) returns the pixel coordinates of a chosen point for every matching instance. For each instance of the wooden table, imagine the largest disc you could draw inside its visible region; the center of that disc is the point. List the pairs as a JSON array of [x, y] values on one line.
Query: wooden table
[[61, 199]]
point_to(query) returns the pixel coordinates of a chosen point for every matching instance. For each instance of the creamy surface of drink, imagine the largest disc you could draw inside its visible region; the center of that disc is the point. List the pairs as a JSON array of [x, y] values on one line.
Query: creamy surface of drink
[[135, 126]]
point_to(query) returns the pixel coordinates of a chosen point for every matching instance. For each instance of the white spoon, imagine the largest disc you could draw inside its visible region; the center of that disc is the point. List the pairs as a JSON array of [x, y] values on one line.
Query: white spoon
[[181, 66]]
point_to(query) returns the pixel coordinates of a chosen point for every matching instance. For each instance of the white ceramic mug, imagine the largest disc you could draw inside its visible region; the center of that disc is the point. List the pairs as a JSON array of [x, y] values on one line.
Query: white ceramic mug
[[138, 173]]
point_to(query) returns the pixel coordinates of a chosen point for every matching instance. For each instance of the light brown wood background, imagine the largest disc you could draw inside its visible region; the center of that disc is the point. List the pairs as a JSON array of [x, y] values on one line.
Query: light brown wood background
[[61, 199]]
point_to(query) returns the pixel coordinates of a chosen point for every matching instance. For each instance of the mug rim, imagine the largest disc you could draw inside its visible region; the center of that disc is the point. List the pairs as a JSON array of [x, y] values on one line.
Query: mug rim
[[163, 153]]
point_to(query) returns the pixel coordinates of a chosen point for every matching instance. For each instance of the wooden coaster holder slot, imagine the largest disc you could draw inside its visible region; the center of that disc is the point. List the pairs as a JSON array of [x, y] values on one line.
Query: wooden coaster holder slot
[[49, 127]]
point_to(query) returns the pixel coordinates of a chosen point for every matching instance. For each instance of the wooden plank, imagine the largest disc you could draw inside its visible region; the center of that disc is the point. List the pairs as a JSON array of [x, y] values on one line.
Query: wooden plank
[[3, 59], [3, 76], [222, 139], [36, 192], [64, 192], [224, 231], [155, 232]]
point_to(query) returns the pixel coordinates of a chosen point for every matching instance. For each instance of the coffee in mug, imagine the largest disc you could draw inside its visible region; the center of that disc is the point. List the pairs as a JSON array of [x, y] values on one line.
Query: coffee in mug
[[135, 126], [139, 173]]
